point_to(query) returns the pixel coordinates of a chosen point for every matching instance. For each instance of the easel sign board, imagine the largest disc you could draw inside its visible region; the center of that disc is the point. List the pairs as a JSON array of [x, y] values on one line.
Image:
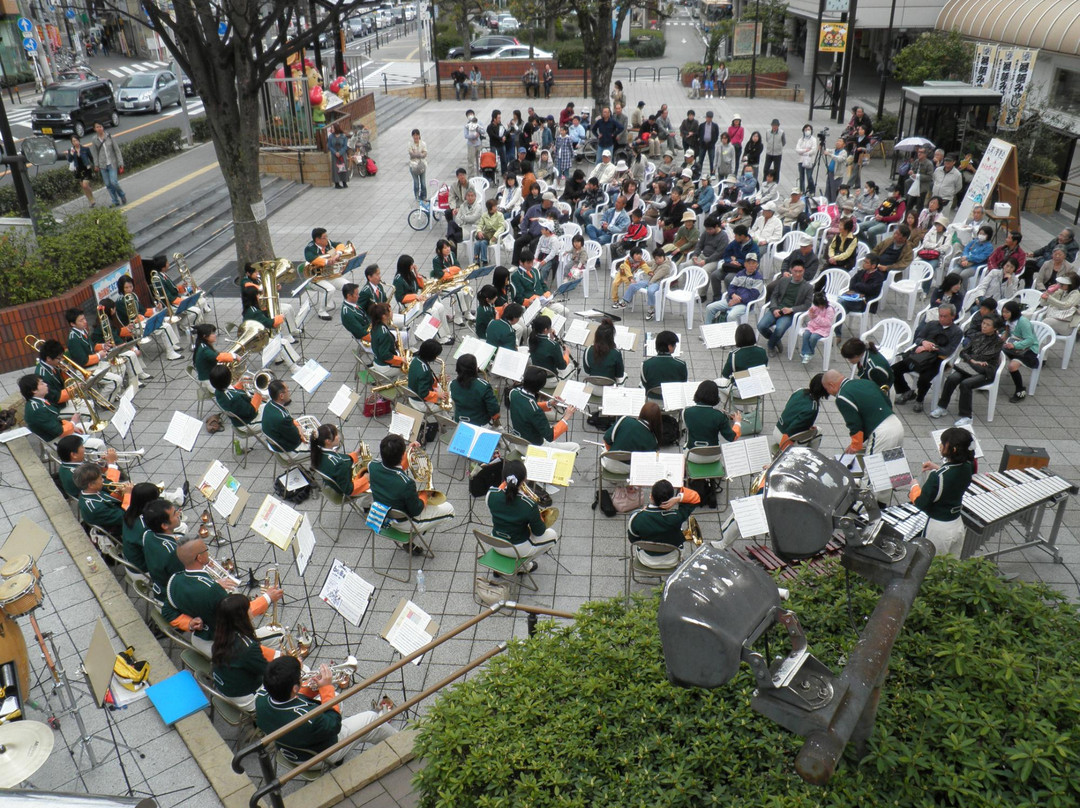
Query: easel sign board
[[409, 629], [98, 663], [26, 538], [998, 169]]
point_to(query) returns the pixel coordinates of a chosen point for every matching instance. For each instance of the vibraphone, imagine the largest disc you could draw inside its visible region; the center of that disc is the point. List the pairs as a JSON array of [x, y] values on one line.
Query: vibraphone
[[996, 499]]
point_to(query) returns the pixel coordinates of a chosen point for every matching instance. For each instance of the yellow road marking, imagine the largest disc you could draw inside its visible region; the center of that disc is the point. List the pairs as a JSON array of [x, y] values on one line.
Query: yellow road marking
[[166, 188]]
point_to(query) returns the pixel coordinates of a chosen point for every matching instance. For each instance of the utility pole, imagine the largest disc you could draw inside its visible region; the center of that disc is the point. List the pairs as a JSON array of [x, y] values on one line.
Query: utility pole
[[885, 62], [849, 53]]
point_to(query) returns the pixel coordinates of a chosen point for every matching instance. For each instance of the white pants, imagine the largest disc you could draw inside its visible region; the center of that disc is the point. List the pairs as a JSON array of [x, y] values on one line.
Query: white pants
[[889, 434], [354, 723], [563, 446], [533, 547], [245, 703], [332, 287], [658, 562], [947, 537], [432, 516], [614, 466]]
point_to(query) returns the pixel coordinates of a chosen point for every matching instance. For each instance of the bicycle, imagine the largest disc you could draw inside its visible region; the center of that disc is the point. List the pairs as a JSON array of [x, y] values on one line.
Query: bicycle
[[422, 216], [359, 147]]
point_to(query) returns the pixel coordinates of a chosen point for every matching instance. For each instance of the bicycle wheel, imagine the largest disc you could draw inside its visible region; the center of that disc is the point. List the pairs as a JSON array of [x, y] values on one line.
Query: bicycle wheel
[[419, 219]]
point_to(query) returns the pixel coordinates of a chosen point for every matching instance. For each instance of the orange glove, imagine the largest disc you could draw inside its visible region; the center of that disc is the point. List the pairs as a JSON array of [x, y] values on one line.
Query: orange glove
[[856, 444], [914, 493]]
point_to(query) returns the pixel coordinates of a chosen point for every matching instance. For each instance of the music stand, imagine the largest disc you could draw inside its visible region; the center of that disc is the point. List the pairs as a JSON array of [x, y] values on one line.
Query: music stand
[[151, 324], [182, 433], [187, 303], [566, 288], [482, 272], [355, 262]]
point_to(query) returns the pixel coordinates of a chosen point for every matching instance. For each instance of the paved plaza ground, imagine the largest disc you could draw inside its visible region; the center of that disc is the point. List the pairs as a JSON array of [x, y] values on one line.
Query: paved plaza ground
[[372, 213]]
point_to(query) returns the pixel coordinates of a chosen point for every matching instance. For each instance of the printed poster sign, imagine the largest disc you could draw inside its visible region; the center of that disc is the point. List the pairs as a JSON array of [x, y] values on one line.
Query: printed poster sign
[[106, 286], [833, 37], [982, 70], [1015, 88], [986, 177], [746, 36]]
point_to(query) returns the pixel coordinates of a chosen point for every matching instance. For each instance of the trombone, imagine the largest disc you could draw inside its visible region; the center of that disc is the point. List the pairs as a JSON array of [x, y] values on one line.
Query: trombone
[[78, 393], [272, 579], [549, 515], [185, 272], [157, 289]]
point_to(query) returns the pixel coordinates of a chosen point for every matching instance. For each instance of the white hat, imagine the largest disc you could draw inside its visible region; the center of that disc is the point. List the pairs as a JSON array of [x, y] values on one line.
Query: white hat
[[688, 153], [736, 117], [769, 206], [621, 166], [751, 257], [686, 172], [795, 190], [549, 197], [1062, 279], [547, 224], [806, 240], [606, 153]]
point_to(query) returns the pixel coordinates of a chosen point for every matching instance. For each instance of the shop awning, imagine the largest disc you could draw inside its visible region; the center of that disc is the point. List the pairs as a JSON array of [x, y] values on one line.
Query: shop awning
[[1052, 25]]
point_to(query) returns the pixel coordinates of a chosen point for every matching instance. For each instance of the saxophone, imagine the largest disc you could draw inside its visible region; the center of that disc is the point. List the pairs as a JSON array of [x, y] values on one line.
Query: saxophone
[[445, 404]]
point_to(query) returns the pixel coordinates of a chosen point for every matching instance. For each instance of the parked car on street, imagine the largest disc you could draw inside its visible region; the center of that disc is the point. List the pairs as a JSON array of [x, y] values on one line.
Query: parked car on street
[[508, 22], [517, 52], [490, 20], [482, 45], [73, 107], [410, 13], [148, 91]]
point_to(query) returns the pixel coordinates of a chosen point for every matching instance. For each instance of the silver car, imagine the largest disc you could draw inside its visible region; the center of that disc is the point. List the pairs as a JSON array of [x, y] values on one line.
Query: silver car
[[147, 91]]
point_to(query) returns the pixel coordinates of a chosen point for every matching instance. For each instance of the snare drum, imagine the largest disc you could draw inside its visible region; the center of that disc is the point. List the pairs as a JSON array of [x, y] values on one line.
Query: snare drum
[[20, 594], [18, 565]]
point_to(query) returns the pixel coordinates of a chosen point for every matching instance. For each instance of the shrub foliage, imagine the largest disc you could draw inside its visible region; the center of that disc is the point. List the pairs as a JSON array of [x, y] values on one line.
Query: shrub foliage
[[980, 708]]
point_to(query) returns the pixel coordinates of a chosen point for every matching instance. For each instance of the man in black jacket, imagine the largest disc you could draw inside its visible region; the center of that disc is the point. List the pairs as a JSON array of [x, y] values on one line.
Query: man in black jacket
[[935, 341], [496, 133], [708, 137]]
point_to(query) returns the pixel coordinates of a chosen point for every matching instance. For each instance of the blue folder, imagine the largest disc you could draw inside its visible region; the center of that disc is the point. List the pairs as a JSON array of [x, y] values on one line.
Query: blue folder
[[177, 697], [474, 442]]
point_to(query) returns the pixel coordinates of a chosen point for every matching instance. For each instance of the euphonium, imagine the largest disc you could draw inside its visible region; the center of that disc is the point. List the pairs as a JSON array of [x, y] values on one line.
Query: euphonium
[[332, 269], [420, 466], [157, 289], [252, 337], [257, 382], [365, 459], [185, 273], [549, 515], [342, 673], [692, 532]]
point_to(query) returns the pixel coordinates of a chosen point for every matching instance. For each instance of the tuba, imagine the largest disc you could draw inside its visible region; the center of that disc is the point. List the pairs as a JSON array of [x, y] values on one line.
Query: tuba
[[251, 337], [692, 532], [271, 273], [549, 515]]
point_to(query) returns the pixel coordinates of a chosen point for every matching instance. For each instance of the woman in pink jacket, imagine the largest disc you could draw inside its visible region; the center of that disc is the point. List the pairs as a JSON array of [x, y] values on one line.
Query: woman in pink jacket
[[819, 324], [736, 133]]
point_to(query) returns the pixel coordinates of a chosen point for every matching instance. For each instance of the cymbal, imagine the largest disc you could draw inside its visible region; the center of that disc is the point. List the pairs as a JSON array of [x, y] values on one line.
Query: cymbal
[[24, 748]]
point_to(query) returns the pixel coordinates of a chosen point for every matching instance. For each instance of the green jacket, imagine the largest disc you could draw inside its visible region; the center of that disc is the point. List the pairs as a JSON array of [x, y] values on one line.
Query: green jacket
[[313, 250], [630, 434], [751, 356], [548, 355], [56, 386], [371, 294], [862, 405], [657, 525], [705, 426], [259, 316], [132, 542], [611, 366], [876, 368], [799, 413], [404, 286], [79, 347], [484, 315], [354, 319], [43, 419], [318, 733], [501, 334], [421, 378], [67, 480], [439, 266], [395, 488], [663, 368], [527, 283], [338, 467], [205, 361], [243, 675], [942, 494], [475, 404], [159, 550], [515, 521], [278, 425], [383, 344], [196, 593], [101, 510], [238, 404], [527, 419]]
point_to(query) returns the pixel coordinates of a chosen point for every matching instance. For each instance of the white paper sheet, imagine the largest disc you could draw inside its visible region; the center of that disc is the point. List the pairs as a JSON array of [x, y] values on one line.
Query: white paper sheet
[[401, 424], [305, 545], [678, 395], [746, 456], [540, 469], [749, 515], [510, 364], [408, 632], [648, 467], [719, 335], [577, 333], [271, 351], [183, 431], [311, 375], [622, 400], [124, 415], [342, 400], [478, 348], [225, 502], [212, 480], [346, 592], [758, 382], [576, 394]]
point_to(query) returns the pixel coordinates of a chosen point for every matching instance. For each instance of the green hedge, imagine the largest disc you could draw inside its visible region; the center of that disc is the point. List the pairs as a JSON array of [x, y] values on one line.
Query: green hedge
[[980, 708], [58, 185], [15, 79], [741, 67], [67, 253]]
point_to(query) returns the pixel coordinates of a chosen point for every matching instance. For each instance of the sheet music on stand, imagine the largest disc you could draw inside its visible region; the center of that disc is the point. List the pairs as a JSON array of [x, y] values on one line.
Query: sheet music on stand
[[409, 629], [627, 340], [343, 402], [887, 470], [976, 448], [576, 394], [346, 592], [678, 395], [305, 545], [230, 501], [557, 320], [591, 314], [510, 364], [302, 314], [754, 382], [648, 467], [749, 515], [123, 416], [427, 328], [271, 351], [276, 522], [650, 344], [405, 421], [212, 479], [478, 348], [580, 333], [183, 430], [746, 456], [474, 442], [719, 335], [532, 311], [548, 465], [622, 400], [311, 376]]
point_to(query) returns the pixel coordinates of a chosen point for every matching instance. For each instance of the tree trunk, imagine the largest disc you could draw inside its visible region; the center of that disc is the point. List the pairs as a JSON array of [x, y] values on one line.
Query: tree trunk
[[601, 48], [602, 67]]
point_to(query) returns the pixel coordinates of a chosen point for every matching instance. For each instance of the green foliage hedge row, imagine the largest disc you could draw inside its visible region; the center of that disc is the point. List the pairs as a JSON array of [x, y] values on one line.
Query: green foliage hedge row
[[67, 253], [741, 67], [980, 708]]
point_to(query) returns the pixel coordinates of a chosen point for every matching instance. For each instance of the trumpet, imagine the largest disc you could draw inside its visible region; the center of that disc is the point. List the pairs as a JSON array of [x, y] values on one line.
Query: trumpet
[[124, 460], [420, 466], [222, 571], [692, 532], [549, 515], [298, 647], [365, 458], [342, 674], [272, 579]]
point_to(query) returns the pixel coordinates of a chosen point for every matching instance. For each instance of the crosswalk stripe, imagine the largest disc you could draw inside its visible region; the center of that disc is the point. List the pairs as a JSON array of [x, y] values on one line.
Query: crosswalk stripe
[[129, 70], [116, 73]]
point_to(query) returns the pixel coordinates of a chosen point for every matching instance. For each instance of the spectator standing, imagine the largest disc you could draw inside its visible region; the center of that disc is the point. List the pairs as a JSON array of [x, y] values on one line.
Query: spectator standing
[[708, 136], [109, 161], [549, 80], [736, 133], [497, 138], [807, 148], [474, 141], [721, 78], [338, 146], [79, 157], [947, 183], [476, 78], [606, 130]]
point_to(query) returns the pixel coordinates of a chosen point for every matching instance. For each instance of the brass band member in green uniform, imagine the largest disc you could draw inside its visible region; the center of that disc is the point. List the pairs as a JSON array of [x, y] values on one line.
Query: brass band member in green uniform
[[133, 364], [354, 318], [800, 413], [175, 292], [49, 368], [474, 398], [282, 700], [159, 542], [942, 495], [194, 592], [96, 507], [373, 292], [534, 420], [705, 424], [243, 409], [746, 354], [334, 464], [444, 266], [603, 358], [502, 333], [71, 449], [320, 252], [869, 363], [384, 344], [423, 382], [393, 486], [81, 350], [250, 295], [277, 423], [661, 522], [134, 528], [630, 434], [165, 335], [409, 292], [516, 518], [545, 350], [869, 417], [42, 418], [239, 661], [664, 367], [206, 357], [485, 310]]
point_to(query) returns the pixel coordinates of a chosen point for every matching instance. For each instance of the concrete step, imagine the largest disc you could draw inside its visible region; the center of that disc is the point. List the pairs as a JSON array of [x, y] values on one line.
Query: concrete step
[[390, 109]]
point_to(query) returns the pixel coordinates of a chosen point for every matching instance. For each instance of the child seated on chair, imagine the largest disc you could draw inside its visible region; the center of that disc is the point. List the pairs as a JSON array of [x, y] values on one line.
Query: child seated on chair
[[577, 257], [819, 322], [625, 274], [650, 281]]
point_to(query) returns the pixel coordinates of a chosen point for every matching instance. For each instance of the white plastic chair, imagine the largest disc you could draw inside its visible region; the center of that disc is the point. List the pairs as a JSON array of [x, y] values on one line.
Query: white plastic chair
[[692, 279], [969, 301], [781, 250], [918, 273], [594, 250], [837, 282], [504, 242], [799, 326], [1030, 301], [824, 221], [571, 229], [894, 337], [992, 389], [1047, 338], [862, 249], [866, 316], [481, 186]]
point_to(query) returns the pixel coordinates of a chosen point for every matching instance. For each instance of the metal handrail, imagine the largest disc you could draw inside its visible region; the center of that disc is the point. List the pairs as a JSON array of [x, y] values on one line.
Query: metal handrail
[[273, 783]]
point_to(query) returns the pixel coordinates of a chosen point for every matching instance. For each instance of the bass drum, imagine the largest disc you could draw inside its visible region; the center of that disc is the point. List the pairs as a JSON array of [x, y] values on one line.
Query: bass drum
[[13, 649]]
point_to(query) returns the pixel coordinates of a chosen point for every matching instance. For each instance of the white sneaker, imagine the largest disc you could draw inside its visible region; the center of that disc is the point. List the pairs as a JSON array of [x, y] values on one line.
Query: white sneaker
[[962, 421], [174, 355], [806, 359], [938, 412]]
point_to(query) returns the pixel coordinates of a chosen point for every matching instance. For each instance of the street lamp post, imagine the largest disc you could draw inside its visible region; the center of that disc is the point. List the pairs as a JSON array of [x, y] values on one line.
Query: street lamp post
[[885, 61], [753, 58]]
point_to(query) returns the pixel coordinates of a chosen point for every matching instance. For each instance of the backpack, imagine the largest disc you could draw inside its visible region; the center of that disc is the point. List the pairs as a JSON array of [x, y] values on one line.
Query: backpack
[[603, 499], [669, 430], [373, 169], [130, 672]]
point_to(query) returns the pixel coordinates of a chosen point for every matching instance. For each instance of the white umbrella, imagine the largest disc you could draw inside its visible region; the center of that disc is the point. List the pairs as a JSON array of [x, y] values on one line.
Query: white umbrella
[[912, 143]]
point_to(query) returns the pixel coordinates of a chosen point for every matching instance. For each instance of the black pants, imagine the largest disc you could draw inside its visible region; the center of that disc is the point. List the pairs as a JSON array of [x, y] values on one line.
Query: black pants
[[967, 382], [772, 163], [521, 243], [926, 377]]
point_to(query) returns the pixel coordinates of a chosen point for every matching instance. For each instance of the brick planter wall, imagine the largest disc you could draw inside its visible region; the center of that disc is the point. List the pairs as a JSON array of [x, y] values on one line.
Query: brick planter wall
[[764, 80], [509, 69], [45, 318]]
